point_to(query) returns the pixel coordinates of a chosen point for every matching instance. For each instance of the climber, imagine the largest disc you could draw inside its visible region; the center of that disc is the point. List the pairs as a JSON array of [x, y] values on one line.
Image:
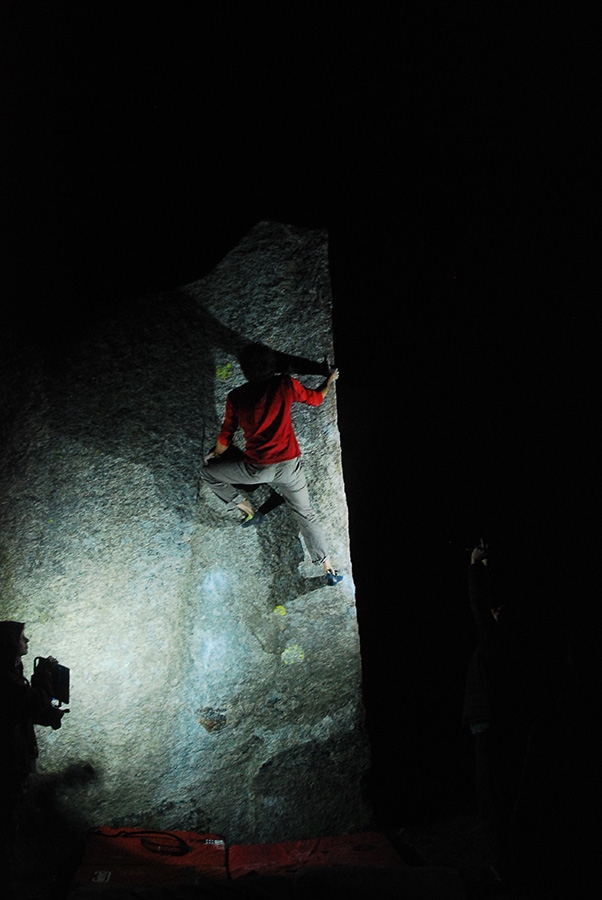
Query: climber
[[262, 409]]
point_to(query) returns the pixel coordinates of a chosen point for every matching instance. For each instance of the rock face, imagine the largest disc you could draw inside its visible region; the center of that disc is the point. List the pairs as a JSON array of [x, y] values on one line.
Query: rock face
[[215, 676]]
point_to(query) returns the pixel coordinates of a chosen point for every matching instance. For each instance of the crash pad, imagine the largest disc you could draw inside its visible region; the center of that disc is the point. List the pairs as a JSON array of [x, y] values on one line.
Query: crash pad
[[139, 856], [287, 857]]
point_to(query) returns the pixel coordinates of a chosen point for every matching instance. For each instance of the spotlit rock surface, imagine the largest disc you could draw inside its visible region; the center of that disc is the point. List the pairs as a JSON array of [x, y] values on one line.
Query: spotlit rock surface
[[216, 680]]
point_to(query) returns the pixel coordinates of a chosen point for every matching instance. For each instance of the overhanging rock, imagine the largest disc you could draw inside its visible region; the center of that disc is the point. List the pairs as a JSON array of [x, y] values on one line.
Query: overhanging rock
[[216, 678]]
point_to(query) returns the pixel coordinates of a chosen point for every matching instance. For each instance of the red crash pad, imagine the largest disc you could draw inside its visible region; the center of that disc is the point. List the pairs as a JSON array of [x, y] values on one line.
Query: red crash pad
[[352, 850], [143, 857]]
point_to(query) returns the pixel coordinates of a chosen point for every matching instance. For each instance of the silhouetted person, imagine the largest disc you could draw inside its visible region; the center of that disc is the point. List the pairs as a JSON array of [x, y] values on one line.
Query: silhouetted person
[[22, 705], [262, 409], [503, 696]]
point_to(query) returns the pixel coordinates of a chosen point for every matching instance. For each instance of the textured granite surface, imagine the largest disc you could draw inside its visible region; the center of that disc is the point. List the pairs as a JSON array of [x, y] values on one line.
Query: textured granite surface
[[216, 677]]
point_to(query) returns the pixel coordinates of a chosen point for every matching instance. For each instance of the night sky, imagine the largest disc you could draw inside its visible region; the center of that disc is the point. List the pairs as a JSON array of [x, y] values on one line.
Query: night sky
[[454, 160]]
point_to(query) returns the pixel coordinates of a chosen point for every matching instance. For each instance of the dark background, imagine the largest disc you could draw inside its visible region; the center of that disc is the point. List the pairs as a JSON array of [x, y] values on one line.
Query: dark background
[[454, 159]]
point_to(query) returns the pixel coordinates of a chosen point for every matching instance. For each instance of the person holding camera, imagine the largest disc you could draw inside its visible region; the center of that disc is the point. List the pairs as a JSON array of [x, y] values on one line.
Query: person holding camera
[[507, 686], [23, 705]]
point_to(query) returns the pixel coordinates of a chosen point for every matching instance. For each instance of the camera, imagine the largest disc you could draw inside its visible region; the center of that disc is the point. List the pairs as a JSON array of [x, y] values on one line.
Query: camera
[[60, 678]]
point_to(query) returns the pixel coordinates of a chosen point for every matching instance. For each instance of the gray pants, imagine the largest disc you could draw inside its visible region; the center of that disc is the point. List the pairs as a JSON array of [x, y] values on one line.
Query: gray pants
[[288, 478]]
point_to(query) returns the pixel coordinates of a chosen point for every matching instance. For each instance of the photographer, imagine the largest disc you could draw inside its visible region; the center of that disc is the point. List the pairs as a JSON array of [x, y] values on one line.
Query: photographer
[[23, 705], [505, 691]]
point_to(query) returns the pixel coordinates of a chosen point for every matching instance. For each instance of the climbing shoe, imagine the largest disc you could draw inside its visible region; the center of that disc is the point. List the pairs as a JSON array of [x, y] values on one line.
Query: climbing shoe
[[252, 520]]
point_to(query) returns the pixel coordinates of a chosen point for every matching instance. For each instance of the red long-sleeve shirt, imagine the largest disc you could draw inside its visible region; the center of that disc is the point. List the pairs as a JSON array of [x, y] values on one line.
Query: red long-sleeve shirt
[[263, 410]]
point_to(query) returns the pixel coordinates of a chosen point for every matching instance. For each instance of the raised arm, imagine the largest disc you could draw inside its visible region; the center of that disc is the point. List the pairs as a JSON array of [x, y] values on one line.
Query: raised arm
[[334, 374]]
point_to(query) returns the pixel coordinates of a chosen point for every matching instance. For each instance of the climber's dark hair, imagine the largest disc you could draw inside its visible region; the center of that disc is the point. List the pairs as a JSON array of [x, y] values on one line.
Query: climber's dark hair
[[257, 361]]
